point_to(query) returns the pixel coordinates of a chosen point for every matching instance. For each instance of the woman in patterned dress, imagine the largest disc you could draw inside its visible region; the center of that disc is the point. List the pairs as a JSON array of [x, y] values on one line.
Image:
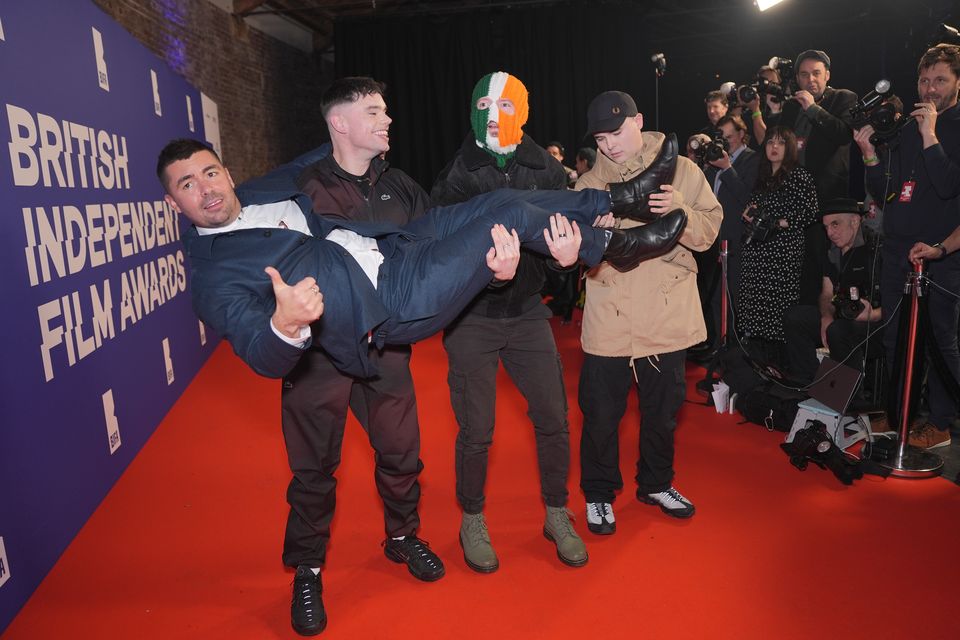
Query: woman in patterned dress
[[770, 268]]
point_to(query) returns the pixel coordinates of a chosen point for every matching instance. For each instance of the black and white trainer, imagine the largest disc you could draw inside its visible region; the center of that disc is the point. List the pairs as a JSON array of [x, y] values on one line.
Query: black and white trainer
[[307, 615], [670, 502], [600, 518], [422, 562]]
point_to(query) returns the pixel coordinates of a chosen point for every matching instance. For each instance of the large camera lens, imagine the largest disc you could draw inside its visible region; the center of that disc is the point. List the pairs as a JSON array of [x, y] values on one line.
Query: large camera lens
[[746, 93]]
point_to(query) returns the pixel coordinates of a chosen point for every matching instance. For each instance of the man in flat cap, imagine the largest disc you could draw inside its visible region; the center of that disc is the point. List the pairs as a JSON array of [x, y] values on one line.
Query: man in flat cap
[[637, 325]]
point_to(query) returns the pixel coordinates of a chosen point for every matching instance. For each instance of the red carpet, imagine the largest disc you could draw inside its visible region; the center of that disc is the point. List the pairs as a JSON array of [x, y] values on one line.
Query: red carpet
[[187, 544]]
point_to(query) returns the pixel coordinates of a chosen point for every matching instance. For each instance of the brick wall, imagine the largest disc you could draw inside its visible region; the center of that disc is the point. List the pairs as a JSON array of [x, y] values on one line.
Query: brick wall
[[267, 93]]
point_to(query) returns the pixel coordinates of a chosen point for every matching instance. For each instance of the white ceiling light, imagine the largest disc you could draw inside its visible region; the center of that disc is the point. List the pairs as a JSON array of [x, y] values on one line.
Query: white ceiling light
[[763, 5]]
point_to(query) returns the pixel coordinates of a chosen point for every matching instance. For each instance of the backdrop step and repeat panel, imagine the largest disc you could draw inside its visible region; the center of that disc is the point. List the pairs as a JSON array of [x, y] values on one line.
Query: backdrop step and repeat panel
[[99, 336]]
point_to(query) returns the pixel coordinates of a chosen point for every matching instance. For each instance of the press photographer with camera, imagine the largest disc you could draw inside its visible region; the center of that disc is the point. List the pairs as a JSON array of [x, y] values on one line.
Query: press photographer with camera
[[732, 176], [918, 177], [819, 115], [717, 105], [849, 307], [783, 203], [762, 100]]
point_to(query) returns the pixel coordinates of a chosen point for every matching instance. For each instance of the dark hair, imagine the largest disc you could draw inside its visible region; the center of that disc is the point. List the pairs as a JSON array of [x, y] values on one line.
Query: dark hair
[[737, 123], [943, 52], [180, 149], [894, 101], [716, 95], [767, 180], [554, 143], [588, 155], [767, 67], [351, 89]]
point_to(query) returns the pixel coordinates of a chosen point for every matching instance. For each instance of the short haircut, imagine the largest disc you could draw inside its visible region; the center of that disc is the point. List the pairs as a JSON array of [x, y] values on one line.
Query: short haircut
[[894, 101], [714, 96], [554, 143], [765, 68], [588, 155], [180, 149], [943, 52], [737, 123], [350, 89]]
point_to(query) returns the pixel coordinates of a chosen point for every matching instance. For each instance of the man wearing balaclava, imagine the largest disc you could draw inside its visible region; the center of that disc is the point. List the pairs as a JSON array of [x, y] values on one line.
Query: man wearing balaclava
[[505, 323]]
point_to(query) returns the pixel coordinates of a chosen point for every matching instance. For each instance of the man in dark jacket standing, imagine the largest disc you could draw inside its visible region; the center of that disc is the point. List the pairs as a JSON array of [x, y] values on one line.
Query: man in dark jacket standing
[[733, 177], [507, 322], [820, 116], [355, 183], [918, 177]]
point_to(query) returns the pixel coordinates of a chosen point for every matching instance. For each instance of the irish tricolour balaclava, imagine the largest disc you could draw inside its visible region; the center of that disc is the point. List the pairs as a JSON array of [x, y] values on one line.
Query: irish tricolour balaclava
[[502, 99]]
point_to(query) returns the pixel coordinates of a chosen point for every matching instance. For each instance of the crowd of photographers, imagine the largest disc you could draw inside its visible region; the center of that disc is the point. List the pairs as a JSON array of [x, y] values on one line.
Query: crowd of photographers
[[803, 256]]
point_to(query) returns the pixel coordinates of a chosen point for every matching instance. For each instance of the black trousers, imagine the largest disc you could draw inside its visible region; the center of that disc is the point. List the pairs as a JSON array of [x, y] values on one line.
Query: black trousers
[[604, 386], [801, 324], [475, 346], [314, 405]]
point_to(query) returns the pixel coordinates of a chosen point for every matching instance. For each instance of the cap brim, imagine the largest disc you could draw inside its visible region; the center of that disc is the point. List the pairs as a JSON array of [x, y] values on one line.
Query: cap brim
[[606, 125]]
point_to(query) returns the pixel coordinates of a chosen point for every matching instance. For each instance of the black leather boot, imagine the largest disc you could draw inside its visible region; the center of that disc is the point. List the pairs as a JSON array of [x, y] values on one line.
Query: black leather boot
[[631, 199], [629, 247]]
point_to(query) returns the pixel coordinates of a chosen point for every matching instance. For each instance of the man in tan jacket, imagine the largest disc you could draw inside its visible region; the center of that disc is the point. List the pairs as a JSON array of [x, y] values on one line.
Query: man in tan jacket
[[637, 325]]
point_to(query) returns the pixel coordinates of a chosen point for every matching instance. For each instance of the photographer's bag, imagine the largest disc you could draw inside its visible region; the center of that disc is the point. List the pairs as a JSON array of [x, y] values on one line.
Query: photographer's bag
[[771, 406]]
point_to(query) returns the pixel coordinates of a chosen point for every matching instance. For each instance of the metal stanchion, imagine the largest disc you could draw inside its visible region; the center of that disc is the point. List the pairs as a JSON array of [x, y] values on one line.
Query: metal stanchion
[[724, 309], [911, 462]]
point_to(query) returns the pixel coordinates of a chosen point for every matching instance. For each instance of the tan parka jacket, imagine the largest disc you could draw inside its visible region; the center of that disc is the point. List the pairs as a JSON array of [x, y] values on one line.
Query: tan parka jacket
[[654, 308]]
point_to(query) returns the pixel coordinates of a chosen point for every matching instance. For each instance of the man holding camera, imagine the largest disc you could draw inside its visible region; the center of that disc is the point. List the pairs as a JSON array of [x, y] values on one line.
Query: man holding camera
[[717, 105], [848, 308], [820, 117], [732, 176], [919, 179]]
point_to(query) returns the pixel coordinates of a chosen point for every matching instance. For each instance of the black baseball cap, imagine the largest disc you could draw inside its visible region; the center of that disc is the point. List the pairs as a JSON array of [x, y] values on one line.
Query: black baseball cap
[[608, 111]]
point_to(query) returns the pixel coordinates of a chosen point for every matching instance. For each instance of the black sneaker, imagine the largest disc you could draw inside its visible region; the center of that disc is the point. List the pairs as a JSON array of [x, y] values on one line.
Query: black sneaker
[[421, 561], [306, 609], [670, 502]]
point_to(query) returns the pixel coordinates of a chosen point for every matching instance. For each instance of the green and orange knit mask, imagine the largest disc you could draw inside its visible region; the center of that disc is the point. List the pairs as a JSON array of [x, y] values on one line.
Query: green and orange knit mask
[[497, 114]]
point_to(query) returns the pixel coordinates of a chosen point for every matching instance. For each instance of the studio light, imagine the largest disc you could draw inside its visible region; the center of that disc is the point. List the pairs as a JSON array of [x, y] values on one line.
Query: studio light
[[763, 5]]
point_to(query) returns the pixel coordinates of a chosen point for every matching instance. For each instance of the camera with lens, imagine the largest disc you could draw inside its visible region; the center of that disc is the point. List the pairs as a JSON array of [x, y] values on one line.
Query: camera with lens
[[809, 443], [873, 109], [847, 303], [709, 150], [763, 227]]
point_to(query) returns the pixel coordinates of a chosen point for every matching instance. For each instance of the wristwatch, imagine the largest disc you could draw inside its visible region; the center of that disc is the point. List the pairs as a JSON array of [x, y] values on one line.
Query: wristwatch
[[943, 249]]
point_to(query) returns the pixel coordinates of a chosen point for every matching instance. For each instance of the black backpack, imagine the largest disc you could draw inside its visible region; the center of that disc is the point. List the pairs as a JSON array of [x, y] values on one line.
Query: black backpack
[[771, 406]]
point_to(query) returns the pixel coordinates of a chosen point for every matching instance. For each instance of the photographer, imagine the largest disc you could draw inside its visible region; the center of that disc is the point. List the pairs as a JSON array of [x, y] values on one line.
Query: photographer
[[717, 105], [848, 308], [767, 78], [732, 177], [782, 205], [820, 117], [919, 179]]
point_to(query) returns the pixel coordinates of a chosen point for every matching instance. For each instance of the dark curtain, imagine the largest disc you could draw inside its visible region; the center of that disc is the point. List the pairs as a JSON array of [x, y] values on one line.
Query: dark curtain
[[567, 54]]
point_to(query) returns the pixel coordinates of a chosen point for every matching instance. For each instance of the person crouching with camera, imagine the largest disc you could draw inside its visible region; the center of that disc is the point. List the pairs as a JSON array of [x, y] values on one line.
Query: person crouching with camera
[[783, 203], [849, 307]]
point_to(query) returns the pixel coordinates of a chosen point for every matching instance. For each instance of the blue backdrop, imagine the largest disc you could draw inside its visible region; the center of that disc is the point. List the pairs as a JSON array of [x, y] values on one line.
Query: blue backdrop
[[99, 336]]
